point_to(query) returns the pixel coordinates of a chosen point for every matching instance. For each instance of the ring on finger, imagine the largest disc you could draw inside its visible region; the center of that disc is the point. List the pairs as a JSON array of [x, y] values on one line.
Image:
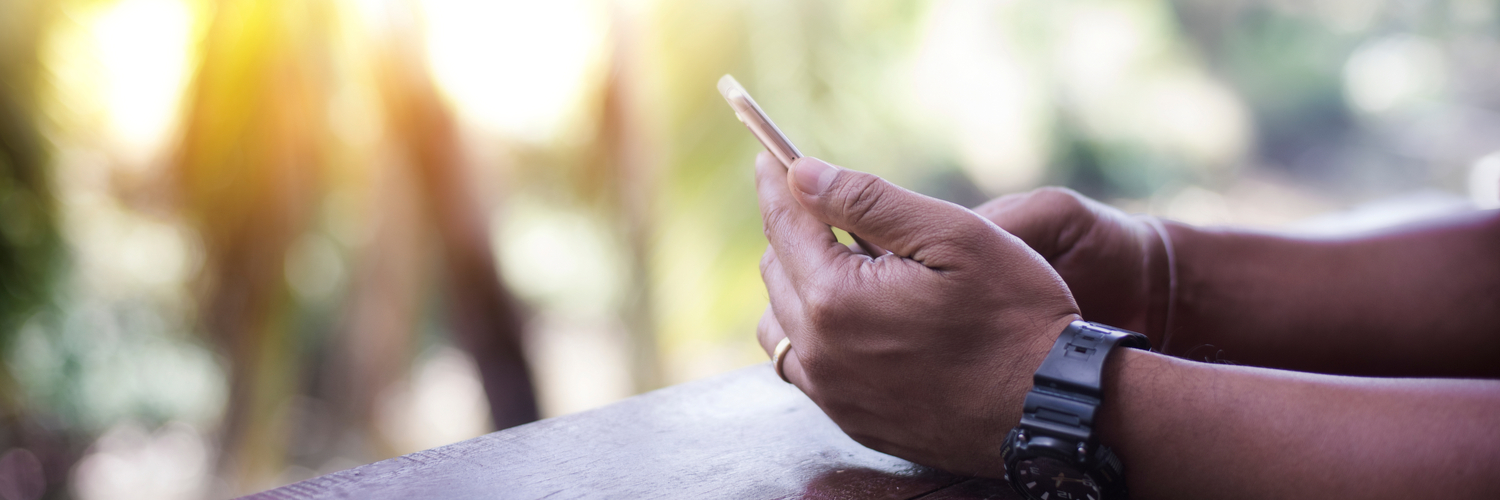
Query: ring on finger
[[780, 356]]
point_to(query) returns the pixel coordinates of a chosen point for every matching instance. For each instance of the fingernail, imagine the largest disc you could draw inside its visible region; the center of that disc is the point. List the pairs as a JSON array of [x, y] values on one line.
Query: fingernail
[[813, 175]]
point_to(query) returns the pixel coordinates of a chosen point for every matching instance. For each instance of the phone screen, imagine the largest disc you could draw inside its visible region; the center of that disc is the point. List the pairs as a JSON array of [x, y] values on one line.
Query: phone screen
[[756, 120]]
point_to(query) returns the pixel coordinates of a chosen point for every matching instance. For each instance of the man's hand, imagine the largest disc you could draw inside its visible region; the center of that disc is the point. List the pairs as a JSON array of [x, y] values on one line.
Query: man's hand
[[1391, 302], [926, 352], [1114, 264]]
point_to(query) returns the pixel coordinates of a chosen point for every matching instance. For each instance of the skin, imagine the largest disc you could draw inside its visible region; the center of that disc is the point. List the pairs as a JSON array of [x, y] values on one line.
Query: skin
[[1417, 300], [926, 352]]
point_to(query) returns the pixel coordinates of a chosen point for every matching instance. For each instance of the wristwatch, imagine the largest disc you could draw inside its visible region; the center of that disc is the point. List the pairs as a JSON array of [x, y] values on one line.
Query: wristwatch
[[1054, 453]]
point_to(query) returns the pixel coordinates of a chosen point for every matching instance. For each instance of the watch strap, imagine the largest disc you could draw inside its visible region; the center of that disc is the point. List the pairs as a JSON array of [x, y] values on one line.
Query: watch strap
[[1068, 386], [1058, 418]]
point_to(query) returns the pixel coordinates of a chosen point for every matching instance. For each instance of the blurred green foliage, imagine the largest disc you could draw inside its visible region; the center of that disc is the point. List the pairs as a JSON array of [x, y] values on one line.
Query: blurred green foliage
[[30, 245]]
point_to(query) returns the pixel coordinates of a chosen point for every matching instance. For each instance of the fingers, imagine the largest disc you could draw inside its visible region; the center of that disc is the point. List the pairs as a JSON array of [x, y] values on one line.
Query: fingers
[[863, 247], [783, 295], [1047, 219], [770, 333], [802, 242], [998, 206], [801, 250], [906, 223]]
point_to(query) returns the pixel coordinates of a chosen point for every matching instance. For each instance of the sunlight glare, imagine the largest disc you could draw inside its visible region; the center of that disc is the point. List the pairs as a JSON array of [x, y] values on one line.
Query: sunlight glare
[[143, 47], [971, 81], [1101, 44], [513, 67]]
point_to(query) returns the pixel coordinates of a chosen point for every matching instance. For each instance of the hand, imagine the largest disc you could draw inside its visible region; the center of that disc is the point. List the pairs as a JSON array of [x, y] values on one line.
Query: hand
[[1114, 264], [925, 353]]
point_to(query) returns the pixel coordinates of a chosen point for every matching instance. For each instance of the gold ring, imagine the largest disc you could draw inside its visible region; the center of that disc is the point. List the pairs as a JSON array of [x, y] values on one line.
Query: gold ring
[[781, 349]]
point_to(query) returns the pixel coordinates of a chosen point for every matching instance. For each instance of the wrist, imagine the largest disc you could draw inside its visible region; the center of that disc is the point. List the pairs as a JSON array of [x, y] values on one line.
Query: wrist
[[1057, 436], [1188, 278], [1161, 279], [1152, 403], [1126, 378]]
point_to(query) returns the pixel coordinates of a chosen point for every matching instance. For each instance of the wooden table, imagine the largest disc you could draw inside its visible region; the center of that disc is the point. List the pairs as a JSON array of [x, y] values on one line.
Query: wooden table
[[744, 434]]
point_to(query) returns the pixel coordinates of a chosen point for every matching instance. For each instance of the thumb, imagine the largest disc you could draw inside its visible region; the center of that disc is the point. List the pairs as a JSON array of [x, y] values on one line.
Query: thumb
[[928, 230]]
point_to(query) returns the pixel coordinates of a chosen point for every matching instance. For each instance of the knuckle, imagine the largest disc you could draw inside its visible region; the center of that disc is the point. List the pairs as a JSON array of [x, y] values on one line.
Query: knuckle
[[1076, 214], [1060, 198], [816, 306], [828, 296], [776, 218], [996, 206], [822, 308], [968, 223], [1052, 194], [860, 196]]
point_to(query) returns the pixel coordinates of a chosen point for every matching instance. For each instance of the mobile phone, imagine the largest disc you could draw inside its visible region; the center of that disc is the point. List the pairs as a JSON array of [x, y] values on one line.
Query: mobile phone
[[771, 137], [756, 120]]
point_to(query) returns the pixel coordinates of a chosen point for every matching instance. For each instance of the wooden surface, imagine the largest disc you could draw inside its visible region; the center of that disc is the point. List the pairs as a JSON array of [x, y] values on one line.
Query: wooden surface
[[744, 434]]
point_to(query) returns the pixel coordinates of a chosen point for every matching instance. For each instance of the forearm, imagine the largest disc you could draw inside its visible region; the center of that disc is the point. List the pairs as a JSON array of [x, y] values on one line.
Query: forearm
[[1194, 430], [1410, 301]]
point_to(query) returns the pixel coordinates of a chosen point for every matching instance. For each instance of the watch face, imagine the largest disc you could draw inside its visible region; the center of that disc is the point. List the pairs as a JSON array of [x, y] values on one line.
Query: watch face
[[1045, 478]]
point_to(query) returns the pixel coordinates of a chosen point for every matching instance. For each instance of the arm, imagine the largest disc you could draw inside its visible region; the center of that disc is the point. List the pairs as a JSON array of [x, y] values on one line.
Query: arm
[[1413, 301], [927, 354], [1194, 430], [1421, 300]]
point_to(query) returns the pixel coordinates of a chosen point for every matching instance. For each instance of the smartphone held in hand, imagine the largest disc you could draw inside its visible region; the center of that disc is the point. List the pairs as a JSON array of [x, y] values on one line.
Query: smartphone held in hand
[[771, 137], [756, 120]]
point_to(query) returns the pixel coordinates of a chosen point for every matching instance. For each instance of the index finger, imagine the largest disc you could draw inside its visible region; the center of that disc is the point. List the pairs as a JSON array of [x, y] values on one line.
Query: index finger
[[803, 243]]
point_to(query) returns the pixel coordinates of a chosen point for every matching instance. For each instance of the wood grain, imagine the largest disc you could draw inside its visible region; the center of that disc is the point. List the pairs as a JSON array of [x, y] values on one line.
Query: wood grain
[[744, 434]]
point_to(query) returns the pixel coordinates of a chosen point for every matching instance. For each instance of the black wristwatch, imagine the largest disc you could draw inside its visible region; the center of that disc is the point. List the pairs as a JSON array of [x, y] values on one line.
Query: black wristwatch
[[1054, 453]]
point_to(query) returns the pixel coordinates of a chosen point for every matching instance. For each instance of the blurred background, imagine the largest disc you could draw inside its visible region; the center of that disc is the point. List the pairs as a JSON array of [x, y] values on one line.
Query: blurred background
[[247, 242]]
